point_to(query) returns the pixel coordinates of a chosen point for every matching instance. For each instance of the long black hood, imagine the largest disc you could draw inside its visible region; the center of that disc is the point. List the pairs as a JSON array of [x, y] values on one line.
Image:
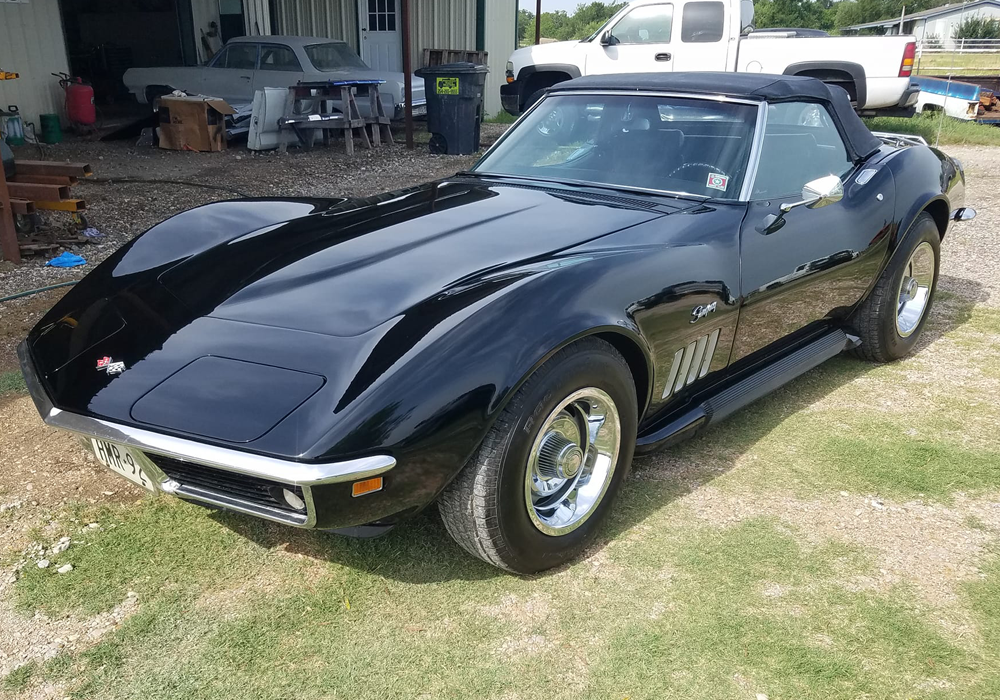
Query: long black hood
[[353, 267], [309, 286]]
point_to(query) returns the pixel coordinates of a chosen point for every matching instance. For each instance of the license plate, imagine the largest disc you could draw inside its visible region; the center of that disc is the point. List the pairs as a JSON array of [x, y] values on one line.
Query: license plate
[[119, 459]]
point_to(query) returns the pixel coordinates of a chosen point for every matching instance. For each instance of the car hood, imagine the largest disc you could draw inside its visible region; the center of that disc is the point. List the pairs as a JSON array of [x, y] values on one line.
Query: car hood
[[556, 52], [361, 263]]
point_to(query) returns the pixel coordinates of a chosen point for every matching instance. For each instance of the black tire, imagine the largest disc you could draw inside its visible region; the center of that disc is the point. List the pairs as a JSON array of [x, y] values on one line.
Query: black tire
[[533, 98], [154, 93], [875, 319], [484, 509]]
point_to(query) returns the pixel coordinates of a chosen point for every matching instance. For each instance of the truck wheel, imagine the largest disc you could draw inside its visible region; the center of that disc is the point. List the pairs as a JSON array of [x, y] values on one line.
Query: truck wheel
[[543, 480], [891, 319]]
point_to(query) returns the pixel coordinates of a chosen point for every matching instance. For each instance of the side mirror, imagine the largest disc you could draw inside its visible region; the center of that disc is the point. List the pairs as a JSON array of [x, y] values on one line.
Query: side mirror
[[819, 193], [608, 39]]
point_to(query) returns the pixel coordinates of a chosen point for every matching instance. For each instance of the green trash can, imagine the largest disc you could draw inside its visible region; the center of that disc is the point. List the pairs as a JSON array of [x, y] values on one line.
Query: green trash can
[[454, 93], [51, 128]]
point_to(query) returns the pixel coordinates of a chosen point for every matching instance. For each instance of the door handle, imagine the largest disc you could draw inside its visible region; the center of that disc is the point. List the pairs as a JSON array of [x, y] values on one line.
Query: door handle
[[662, 57]]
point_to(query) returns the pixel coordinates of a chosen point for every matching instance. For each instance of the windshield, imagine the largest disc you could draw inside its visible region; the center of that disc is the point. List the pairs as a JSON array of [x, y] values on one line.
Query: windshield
[[683, 145], [334, 56]]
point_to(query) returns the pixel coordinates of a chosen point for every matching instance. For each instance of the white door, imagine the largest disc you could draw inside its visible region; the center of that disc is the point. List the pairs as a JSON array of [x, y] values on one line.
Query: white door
[[381, 43], [230, 75], [639, 42], [703, 39]]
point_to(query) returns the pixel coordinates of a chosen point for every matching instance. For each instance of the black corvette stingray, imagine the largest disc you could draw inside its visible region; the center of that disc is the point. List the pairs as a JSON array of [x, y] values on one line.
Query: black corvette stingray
[[636, 259]]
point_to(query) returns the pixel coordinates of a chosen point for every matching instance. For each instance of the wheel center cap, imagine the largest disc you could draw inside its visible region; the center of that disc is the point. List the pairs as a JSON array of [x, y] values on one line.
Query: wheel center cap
[[569, 461], [910, 287]]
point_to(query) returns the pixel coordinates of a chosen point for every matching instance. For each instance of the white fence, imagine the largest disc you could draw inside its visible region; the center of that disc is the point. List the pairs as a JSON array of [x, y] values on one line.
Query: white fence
[[958, 46]]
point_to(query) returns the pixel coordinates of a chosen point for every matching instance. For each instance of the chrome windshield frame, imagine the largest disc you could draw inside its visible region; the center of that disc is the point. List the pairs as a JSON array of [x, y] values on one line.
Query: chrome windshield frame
[[753, 159]]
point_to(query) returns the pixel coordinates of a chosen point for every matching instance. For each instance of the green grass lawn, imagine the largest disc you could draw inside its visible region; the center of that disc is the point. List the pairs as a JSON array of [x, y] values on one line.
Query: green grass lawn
[[12, 383], [959, 64], [953, 131], [745, 561]]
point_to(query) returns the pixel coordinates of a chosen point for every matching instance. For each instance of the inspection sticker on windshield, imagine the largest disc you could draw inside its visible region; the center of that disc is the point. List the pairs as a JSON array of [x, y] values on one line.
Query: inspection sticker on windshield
[[717, 181], [447, 86]]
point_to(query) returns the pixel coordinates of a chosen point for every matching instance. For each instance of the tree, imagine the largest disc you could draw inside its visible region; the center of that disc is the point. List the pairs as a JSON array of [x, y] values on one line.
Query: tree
[[978, 27], [794, 13], [586, 20], [525, 27]]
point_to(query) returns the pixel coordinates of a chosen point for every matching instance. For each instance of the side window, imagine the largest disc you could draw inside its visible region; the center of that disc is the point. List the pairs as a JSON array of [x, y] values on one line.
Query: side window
[[219, 60], [703, 22], [241, 56], [801, 144], [274, 57], [648, 24]]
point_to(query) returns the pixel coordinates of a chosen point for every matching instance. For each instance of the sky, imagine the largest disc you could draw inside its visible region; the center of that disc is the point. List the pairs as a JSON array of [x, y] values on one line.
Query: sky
[[551, 5]]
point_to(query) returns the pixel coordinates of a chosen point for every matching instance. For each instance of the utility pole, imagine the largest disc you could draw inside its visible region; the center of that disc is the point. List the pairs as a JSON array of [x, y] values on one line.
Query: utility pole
[[407, 73], [538, 22]]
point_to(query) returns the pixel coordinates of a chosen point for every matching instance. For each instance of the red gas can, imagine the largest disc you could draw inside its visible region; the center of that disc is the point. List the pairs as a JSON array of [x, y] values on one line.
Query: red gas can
[[80, 108], [80, 103]]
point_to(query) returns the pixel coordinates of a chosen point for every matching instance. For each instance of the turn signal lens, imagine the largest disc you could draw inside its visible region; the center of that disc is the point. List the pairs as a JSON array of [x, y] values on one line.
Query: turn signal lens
[[360, 488], [909, 53]]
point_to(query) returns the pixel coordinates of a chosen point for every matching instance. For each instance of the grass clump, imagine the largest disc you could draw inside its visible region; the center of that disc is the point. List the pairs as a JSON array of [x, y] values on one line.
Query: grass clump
[[953, 131], [19, 678], [501, 117], [12, 383]]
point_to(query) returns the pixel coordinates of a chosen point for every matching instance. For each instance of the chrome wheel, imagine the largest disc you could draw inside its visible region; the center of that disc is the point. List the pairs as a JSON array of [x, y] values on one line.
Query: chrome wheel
[[915, 287], [572, 461]]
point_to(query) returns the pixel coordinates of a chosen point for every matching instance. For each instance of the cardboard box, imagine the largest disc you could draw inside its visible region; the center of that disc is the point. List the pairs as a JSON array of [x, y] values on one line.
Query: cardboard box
[[193, 123]]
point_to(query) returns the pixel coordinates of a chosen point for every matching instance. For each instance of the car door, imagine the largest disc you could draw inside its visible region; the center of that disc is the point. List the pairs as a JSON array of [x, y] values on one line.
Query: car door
[[703, 39], [639, 42], [812, 265], [230, 75], [277, 67]]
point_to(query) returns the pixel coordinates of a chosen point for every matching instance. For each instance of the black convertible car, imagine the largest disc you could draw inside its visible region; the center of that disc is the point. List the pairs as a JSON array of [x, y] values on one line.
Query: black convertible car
[[636, 259]]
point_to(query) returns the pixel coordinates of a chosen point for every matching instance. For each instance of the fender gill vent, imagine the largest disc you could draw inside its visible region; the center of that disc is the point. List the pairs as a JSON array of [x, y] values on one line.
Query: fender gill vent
[[691, 362]]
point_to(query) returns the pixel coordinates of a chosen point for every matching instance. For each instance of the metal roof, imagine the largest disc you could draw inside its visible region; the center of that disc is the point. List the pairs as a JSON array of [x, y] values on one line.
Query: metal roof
[[933, 12]]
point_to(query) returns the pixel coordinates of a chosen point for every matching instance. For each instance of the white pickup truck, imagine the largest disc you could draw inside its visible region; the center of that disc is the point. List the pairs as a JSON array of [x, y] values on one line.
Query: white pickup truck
[[717, 35]]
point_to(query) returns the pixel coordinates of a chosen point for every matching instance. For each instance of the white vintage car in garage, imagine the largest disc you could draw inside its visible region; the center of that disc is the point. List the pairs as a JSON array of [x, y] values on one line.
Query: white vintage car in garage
[[247, 64]]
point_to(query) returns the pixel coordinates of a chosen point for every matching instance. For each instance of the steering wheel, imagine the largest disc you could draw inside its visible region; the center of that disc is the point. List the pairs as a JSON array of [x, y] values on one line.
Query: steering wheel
[[712, 170]]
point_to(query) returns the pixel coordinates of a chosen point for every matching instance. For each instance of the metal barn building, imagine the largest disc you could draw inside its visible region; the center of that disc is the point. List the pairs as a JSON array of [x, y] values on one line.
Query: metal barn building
[[100, 39]]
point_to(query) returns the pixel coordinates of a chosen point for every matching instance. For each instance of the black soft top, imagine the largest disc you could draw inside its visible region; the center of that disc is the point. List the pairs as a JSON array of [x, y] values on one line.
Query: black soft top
[[753, 86]]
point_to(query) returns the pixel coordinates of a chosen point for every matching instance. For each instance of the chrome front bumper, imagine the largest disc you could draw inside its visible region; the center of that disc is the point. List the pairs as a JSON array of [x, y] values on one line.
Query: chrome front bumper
[[281, 471]]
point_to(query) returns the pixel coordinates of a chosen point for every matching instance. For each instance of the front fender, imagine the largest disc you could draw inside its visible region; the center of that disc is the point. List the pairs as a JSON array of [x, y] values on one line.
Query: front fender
[[437, 378]]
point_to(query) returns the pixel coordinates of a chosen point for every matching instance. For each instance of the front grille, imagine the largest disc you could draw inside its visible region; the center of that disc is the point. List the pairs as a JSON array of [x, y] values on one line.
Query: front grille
[[241, 487]]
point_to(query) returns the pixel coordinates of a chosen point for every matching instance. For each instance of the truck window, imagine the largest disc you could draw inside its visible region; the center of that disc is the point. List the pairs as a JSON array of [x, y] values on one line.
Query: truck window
[[801, 144], [703, 22], [648, 24]]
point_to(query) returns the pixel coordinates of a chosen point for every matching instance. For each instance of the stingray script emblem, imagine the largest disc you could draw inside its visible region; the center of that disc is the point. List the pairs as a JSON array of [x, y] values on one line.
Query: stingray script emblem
[[700, 312]]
